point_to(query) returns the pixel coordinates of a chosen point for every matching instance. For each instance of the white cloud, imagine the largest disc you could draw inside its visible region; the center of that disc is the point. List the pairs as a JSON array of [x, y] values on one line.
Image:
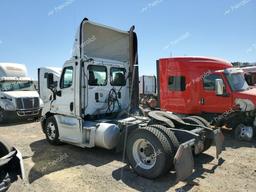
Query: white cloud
[[150, 5], [60, 7], [236, 6]]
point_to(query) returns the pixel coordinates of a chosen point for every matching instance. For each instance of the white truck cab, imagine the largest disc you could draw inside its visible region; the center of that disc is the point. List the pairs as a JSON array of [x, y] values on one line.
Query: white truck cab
[[94, 102], [18, 98]]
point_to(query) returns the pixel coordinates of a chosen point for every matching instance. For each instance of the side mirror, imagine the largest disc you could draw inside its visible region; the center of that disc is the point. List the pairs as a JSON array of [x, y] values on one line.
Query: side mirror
[[50, 81], [219, 87]]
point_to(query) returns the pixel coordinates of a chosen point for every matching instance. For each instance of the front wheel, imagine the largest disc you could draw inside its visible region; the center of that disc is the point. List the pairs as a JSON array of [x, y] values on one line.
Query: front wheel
[[148, 152], [51, 131]]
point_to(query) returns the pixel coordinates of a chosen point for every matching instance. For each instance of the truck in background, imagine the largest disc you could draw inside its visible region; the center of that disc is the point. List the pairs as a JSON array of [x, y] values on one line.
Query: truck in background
[[95, 101], [18, 97], [250, 75], [148, 93], [206, 87]]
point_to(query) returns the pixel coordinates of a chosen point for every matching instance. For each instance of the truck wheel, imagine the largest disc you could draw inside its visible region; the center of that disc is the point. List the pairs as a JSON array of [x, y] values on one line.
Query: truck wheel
[[149, 152], [169, 135], [5, 180], [243, 132], [204, 121], [195, 120], [51, 131], [2, 116], [192, 120], [172, 139]]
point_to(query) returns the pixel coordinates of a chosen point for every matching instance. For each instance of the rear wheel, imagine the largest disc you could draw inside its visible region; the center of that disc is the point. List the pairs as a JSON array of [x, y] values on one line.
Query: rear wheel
[[51, 131], [149, 152], [202, 122], [172, 139], [169, 135]]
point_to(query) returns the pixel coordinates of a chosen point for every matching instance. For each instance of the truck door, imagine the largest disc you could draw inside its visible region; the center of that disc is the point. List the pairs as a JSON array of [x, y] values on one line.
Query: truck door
[[210, 102], [65, 98], [64, 105]]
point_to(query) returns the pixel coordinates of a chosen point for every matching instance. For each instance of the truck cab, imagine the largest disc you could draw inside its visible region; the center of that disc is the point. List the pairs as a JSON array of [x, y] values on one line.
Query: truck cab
[[207, 86], [18, 97]]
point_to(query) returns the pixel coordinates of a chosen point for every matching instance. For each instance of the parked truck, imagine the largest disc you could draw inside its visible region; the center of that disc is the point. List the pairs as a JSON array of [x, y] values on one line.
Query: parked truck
[[206, 87], [18, 97], [95, 102]]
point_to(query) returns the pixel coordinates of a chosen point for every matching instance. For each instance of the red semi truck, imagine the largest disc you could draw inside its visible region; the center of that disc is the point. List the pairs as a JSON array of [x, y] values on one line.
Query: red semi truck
[[207, 87]]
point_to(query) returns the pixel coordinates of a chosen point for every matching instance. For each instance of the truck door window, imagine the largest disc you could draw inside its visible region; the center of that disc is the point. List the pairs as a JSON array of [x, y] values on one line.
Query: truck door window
[[177, 83], [97, 75], [117, 76], [209, 81], [67, 78]]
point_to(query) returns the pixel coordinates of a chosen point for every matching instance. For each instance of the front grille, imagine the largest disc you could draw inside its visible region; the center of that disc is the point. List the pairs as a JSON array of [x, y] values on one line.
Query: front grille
[[27, 103]]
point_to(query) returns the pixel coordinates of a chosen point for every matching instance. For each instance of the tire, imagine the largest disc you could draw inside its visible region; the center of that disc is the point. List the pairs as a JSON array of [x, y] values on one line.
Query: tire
[[192, 120], [145, 143], [51, 131], [204, 121], [169, 135], [197, 120], [5, 180]]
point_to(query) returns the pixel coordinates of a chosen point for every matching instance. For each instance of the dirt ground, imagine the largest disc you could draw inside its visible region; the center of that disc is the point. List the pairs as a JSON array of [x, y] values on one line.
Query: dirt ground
[[69, 168]]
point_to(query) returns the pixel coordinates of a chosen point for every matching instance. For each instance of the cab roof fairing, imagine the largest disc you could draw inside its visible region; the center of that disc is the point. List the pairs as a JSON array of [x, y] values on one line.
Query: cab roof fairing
[[99, 41], [13, 70]]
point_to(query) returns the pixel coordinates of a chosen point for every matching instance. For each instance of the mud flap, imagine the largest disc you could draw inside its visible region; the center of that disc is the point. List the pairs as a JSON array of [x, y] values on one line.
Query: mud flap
[[219, 140], [184, 161]]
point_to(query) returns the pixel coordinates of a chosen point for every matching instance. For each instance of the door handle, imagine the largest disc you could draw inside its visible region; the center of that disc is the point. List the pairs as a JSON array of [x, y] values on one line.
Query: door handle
[[202, 101], [97, 97], [71, 106]]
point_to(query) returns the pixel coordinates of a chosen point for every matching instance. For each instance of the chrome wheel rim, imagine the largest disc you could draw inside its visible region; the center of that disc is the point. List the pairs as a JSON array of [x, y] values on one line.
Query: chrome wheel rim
[[245, 132], [51, 131], [144, 154]]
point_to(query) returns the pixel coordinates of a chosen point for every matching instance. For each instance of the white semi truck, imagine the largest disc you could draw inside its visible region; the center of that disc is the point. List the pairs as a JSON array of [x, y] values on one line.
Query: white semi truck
[[18, 97], [95, 102]]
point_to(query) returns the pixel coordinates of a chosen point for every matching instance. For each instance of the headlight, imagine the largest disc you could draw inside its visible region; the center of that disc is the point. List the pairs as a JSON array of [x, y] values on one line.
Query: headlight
[[9, 106]]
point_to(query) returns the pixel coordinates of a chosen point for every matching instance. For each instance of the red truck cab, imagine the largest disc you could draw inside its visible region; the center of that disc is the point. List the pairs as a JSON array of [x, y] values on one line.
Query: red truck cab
[[187, 85]]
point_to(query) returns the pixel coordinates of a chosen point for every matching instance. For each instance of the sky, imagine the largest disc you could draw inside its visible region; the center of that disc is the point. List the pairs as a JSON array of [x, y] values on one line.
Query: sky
[[41, 33]]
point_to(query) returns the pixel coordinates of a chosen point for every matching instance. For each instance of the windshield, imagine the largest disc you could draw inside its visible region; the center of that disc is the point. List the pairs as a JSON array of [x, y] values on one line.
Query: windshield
[[237, 82], [17, 86]]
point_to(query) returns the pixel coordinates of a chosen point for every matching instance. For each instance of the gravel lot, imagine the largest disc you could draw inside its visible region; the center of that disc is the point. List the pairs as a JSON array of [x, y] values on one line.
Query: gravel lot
[[70, 168]]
